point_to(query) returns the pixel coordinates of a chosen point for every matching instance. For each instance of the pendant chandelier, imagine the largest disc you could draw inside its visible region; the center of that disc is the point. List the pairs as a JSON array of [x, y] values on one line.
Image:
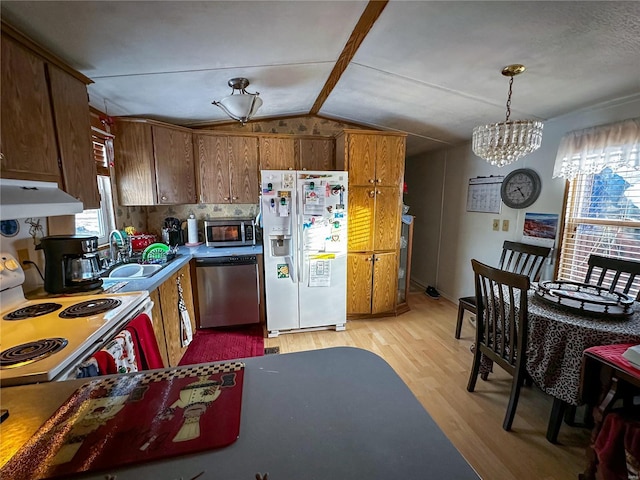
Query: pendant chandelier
[[503, 143], [241, 106]]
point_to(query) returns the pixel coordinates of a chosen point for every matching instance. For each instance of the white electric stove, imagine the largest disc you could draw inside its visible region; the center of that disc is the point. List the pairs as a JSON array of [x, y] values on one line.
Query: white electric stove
[[45, 339]]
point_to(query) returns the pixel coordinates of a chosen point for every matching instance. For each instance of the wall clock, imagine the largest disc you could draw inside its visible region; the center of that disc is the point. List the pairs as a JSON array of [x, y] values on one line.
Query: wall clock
[[520, 188]]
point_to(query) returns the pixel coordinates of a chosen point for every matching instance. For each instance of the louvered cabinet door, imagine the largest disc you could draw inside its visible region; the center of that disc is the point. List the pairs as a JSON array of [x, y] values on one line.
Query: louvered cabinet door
[[213, 166], [385, 282], [175, 172], [359, 277], [73, 125], [243, 169]]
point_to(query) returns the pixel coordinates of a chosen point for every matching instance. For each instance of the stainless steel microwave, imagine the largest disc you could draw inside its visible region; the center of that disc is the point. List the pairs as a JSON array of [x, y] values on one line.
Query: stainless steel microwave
[[231, 232]]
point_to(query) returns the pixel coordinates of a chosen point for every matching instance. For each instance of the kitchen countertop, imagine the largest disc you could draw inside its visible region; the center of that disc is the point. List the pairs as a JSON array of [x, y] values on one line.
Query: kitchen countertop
[[184, 256], [332, 413]]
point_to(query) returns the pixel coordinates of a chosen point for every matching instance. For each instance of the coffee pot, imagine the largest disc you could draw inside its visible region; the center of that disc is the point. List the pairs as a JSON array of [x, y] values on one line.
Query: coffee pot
[[172, 232], [71, 263]]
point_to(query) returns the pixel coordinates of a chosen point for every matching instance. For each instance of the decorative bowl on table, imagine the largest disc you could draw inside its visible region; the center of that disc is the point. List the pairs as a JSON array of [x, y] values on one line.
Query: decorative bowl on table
[[585, 299]]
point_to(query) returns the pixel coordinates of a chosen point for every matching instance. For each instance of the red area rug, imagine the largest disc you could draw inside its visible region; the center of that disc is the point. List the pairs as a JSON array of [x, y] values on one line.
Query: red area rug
[[228, 343]]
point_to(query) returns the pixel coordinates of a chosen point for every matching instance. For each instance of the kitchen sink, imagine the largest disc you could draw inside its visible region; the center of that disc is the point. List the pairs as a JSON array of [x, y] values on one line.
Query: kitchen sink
[[132, 271]]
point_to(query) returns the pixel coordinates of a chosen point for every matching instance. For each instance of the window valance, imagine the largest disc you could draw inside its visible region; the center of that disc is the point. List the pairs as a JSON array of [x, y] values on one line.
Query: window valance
[[590, 150]]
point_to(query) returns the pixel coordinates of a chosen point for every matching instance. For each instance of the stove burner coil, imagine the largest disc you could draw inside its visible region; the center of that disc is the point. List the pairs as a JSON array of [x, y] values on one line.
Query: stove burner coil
[[32, 311], [90, 307], [31, 352]]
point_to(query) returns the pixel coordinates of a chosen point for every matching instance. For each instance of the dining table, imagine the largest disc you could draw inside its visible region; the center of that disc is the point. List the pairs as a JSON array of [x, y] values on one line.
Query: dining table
[[557, 338]]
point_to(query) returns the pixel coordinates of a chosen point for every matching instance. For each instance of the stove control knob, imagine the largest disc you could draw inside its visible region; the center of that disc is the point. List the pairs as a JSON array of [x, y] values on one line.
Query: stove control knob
[[11, 264]]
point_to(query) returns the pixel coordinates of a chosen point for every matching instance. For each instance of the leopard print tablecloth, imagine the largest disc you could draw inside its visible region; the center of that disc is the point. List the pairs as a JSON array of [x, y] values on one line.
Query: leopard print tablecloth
[[557, 339]]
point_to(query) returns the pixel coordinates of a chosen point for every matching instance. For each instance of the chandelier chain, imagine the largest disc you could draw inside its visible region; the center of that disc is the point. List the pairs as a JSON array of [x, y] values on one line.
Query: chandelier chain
[[509, 98]]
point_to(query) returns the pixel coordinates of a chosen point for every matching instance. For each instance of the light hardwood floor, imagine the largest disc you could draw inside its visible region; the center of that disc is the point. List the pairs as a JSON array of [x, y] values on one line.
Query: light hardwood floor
[[420, 347]]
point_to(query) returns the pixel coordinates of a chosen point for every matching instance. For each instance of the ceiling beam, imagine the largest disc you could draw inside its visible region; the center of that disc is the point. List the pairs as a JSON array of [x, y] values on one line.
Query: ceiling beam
[[371, 13]]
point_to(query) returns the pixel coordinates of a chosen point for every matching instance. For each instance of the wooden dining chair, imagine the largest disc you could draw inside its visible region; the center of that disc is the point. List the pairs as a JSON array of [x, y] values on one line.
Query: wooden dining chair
[[612, 273], [516, 257], [501, 329]]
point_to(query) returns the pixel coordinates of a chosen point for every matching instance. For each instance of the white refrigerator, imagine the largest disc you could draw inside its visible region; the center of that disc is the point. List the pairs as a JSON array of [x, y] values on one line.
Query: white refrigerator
[[304, 218]]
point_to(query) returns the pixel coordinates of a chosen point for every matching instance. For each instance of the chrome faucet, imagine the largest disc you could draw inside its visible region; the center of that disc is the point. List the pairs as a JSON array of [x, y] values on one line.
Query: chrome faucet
[[116, 253]]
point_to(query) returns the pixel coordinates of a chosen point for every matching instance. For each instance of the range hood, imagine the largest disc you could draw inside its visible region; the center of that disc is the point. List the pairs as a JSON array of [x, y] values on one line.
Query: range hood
[[26, 198]]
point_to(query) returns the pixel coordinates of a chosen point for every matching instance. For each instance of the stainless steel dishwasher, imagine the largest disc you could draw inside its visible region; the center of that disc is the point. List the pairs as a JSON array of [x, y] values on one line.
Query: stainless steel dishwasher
[[228, 290]]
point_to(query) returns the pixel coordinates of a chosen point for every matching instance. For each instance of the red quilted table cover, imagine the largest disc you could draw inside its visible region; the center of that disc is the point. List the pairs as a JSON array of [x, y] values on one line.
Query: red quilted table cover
[[117, 421], [613, 354]]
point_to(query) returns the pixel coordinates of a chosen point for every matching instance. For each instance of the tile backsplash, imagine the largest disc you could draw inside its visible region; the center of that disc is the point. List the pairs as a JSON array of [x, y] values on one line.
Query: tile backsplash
[[151, 219]]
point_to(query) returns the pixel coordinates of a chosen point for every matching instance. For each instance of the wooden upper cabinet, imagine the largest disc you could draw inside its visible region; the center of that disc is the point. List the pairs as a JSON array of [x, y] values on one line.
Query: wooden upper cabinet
[[390, 153], [372, 158], [133, 163], [315, 153], [228, 168], [28, 136], [72, 120], [213, 168], [174, 165], [362, 159], [153, 163], [277, 153], [243, 169]]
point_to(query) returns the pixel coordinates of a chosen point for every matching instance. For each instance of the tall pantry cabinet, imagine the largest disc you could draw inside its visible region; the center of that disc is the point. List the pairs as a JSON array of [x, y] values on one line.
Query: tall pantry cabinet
[[375, 162]]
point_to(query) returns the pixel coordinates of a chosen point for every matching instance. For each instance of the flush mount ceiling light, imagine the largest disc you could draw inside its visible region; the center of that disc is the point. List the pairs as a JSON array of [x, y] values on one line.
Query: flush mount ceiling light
[[503, 143], [240, 106]]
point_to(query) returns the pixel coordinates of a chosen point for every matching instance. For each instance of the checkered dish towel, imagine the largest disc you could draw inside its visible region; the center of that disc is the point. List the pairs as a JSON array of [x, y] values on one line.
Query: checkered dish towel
[[186, 334]]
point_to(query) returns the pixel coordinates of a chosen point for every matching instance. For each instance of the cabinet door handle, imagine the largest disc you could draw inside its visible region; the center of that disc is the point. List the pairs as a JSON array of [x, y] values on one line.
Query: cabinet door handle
[[163, 198], [368, 259], [375, 259], [234, 198], [371, 180], [378, 192], [378, 180], [372, 193], [226, 198]]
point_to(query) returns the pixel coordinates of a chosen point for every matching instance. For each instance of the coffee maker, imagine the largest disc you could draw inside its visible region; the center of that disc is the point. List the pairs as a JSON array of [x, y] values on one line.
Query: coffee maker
[[71, 263]]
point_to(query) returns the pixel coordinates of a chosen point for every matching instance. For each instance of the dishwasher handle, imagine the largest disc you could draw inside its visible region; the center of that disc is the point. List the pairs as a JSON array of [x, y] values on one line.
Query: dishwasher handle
[[227, 261]]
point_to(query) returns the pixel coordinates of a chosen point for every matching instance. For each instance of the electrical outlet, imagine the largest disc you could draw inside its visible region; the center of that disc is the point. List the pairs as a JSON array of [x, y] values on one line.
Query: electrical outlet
[[23, 254], [496, 224], [505, 225]]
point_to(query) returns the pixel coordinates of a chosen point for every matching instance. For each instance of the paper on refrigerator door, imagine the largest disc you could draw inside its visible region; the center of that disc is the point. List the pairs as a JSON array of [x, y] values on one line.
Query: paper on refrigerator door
[[319, 273]]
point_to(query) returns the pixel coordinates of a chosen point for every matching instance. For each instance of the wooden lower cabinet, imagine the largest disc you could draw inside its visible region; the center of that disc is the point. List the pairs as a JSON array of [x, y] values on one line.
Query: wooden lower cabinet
[[372, 283], [168, 318], [158, 327]]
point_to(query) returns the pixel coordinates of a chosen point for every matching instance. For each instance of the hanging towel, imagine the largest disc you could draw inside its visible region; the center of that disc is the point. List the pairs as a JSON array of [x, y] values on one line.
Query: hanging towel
[[122, 350], [106, 363], [88, 368], [186, 335], [147, 352]]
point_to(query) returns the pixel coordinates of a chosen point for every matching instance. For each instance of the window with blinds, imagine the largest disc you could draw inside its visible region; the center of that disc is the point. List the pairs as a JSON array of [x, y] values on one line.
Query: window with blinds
[[602, 217]]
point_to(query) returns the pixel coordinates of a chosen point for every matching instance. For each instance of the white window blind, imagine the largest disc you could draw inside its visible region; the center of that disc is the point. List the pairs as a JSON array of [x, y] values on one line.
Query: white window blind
[[602, 217]]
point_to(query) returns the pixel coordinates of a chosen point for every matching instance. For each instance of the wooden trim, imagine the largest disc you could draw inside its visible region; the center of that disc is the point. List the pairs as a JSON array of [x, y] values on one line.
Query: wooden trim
[[371, 13], [371, 132], [48, 56], [153, 122]]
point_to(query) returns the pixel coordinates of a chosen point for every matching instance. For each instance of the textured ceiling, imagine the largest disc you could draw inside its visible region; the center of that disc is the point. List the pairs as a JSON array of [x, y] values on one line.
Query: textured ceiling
[[431, 69]]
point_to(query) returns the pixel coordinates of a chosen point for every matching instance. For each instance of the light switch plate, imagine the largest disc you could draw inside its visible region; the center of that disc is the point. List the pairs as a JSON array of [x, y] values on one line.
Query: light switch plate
[[505, 225], [496, 224]]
